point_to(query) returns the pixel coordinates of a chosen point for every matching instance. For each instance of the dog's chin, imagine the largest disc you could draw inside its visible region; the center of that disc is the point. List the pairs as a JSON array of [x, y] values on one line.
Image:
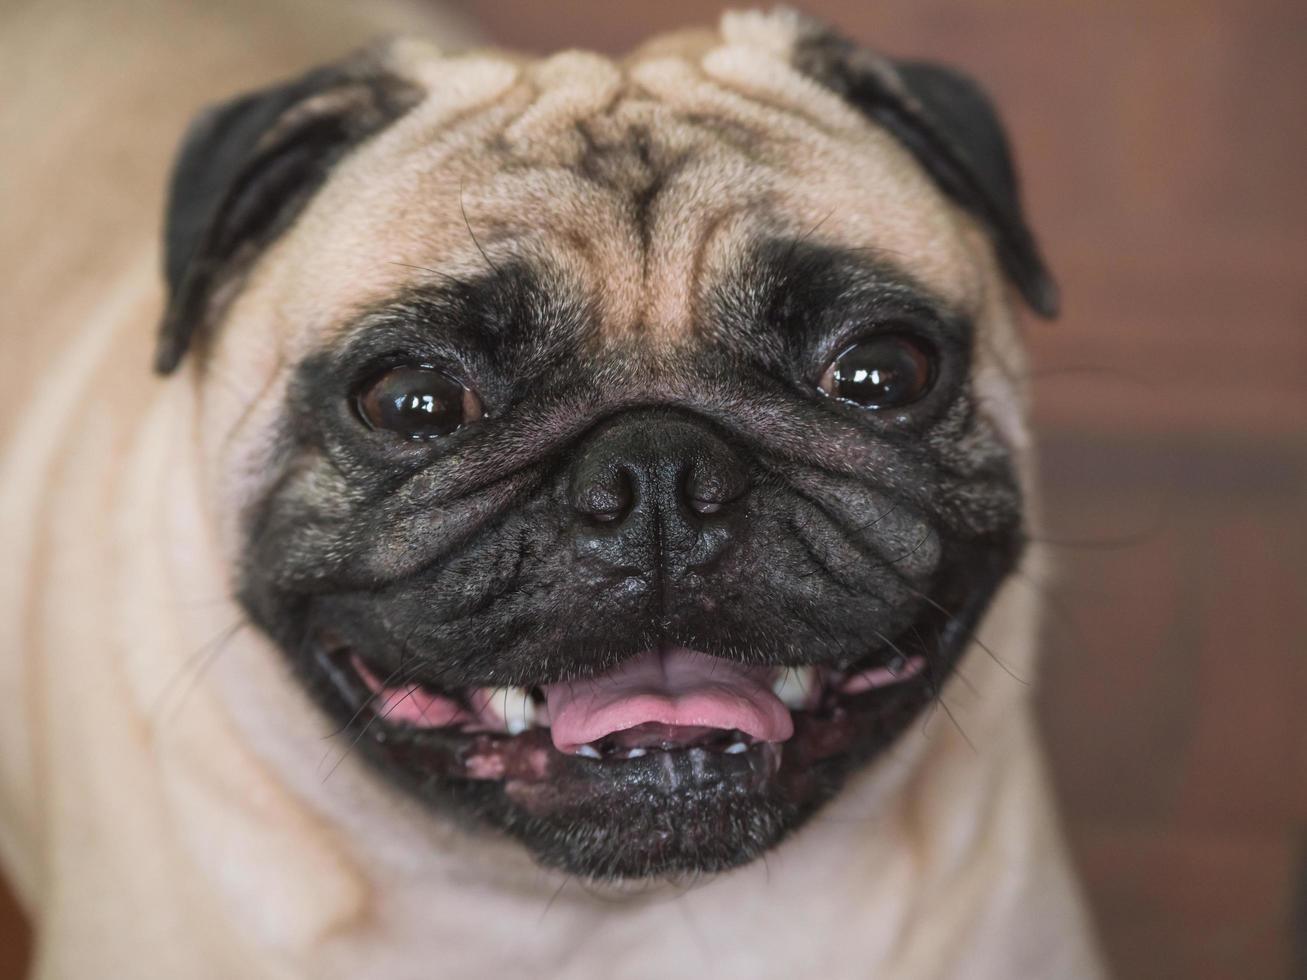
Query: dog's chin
[[615, 776]]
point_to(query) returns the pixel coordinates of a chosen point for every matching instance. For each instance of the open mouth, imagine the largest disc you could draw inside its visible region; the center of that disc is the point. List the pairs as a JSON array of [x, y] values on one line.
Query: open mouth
[[658, 710], [671, 761]]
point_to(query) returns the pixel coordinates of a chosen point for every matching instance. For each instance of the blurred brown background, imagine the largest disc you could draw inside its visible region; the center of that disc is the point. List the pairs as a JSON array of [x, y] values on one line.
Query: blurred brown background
[[1163, 144]]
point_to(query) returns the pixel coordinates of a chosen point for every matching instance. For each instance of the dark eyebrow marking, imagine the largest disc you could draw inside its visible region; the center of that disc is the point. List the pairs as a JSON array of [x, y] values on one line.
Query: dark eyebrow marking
[[508, 330], [478, 311], [789, 292]]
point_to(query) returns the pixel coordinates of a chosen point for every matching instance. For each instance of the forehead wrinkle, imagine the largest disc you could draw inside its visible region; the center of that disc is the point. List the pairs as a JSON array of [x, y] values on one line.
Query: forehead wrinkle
[[579, 225], [505, 145], [740, 139], [636, 189], [708, 210], [644, 256], [683, 86], [573, 86]]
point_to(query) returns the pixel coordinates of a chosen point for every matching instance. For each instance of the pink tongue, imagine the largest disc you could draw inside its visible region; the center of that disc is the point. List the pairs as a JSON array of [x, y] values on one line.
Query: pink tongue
[[677, 687]]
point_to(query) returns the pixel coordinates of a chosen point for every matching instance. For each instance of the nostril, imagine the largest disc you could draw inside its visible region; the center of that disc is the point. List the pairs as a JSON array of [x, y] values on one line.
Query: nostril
[[607, 500], [710, 486]]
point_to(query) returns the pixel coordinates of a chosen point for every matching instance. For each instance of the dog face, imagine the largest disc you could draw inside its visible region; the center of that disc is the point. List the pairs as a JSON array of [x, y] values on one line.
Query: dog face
[[620, 452]]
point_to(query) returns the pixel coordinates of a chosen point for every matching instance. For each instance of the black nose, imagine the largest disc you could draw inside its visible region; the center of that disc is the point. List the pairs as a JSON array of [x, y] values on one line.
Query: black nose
[[656, 492]]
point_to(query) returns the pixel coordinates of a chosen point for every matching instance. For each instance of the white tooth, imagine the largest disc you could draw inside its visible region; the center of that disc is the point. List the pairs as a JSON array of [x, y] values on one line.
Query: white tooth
[[636, 753], [735, 748], [794, 685], [516, 706], [670, 778], [588, 752]]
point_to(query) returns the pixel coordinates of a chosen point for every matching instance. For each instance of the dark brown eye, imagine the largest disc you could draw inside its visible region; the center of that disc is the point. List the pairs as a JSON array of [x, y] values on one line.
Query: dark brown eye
[[881, 372], [417, 403]]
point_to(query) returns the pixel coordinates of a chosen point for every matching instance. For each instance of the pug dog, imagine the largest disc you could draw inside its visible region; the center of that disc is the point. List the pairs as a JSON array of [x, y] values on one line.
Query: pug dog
[[577, 532]]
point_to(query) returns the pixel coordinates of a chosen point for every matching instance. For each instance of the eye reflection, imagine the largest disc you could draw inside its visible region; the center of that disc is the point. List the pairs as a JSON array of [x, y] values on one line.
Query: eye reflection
[[418, 403], [888, 371]]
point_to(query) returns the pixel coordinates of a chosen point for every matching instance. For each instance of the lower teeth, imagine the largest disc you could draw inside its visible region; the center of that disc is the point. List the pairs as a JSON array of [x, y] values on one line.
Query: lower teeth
[[592, 751]]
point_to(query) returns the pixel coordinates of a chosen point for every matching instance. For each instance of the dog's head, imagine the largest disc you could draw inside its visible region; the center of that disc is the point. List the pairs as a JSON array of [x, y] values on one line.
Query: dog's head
[[623, 452]]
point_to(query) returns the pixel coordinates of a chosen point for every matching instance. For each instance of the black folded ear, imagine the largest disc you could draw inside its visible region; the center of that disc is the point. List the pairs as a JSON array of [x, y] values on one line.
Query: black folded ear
[[950, 126], [245, 171]]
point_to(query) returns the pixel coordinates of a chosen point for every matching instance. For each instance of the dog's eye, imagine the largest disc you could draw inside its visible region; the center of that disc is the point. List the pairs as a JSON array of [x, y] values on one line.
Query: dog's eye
[[888, 371], [417, 403]]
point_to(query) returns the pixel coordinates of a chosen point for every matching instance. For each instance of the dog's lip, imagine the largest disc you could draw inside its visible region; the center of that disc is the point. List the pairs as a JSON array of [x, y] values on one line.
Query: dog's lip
[[468, 734]]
